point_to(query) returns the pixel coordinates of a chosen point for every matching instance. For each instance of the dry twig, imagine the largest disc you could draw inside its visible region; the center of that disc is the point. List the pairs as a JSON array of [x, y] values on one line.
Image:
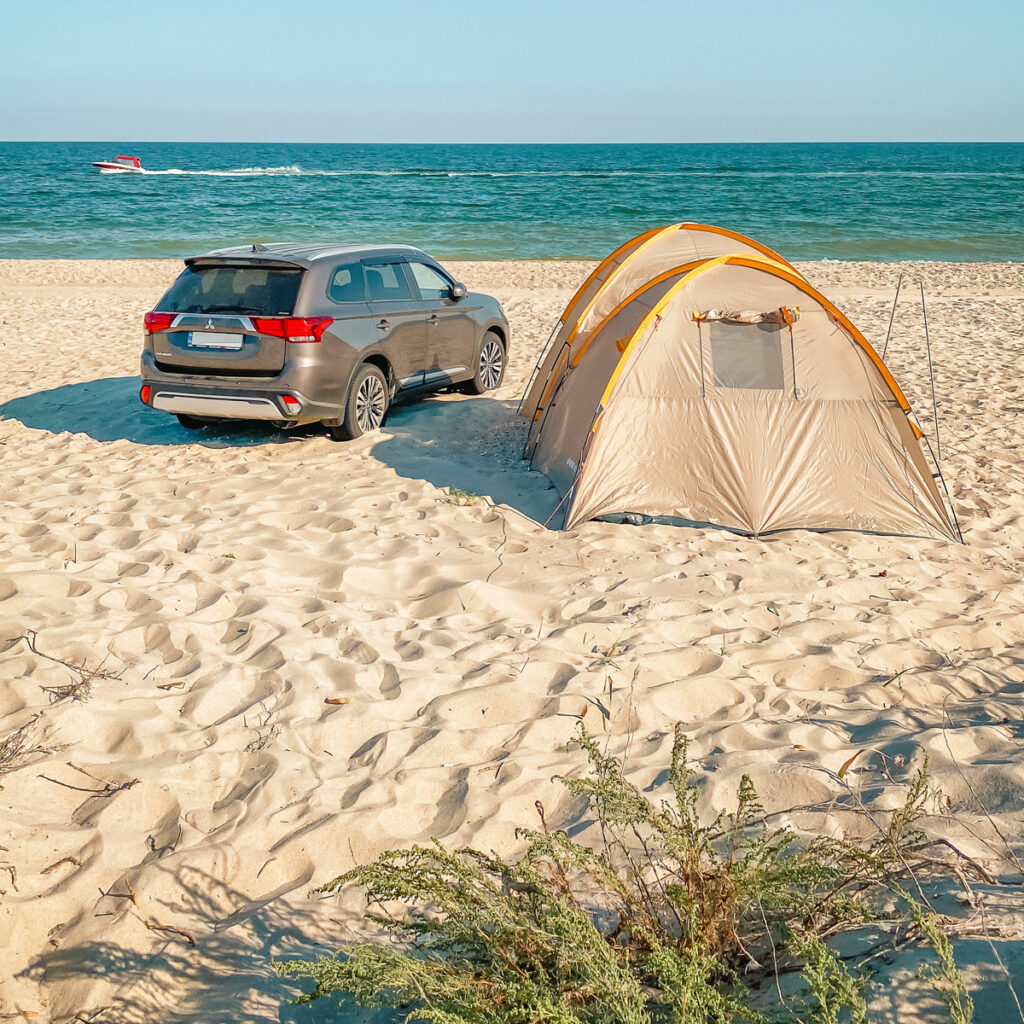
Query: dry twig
[[57, 864], [108, 788], [81, 688], [168, 928]]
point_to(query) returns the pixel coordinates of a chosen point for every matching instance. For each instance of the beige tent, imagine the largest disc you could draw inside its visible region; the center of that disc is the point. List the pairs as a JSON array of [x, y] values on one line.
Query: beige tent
[[730, 392], [657, 257]]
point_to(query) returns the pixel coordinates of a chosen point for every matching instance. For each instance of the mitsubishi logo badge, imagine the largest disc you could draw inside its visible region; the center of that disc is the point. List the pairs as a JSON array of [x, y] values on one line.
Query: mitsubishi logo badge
[[209, 325]]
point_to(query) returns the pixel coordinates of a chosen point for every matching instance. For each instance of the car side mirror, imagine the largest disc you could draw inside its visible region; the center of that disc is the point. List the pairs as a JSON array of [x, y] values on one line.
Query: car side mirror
[[459, 291]]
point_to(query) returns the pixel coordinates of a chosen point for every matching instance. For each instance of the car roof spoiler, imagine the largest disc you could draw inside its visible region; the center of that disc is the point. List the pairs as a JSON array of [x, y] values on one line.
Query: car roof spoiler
[[242, 261]]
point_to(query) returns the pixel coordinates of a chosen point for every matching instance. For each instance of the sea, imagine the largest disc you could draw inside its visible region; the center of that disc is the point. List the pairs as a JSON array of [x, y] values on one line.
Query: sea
[[850, 201]]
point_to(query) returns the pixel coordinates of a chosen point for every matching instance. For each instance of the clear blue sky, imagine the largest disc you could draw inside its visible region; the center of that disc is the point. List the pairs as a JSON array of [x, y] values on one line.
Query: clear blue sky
[[527, 71]]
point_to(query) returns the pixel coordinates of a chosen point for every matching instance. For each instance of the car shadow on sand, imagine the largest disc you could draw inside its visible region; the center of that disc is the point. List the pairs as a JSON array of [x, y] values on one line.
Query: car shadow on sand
[[109, 409], [473, 444]]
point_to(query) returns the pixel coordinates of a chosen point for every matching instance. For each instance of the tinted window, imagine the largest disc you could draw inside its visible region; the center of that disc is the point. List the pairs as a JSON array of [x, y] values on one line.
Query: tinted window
[[430, 283], [266, 291], [347, 284], [386, 281], [747, 355]]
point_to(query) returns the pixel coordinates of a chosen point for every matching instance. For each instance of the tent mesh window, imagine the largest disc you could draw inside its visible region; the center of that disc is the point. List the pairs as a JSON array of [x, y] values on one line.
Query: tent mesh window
[[747, 355]]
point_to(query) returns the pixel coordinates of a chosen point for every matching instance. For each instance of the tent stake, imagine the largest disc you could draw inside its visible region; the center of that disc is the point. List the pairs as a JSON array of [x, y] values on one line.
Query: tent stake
[[891, 315], [931, 374]]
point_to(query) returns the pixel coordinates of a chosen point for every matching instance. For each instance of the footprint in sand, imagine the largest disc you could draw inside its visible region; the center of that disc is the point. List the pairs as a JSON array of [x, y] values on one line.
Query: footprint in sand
[[230, 806], [139, 603], [129, 570], [390, 686], [353, 649], [422, 806], [370, 752], [409, 650]]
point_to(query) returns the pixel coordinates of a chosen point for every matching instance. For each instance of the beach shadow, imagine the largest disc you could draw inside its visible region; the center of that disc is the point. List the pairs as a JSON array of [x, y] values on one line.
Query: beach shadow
[[473, 444], [109, 409], [228, 974]]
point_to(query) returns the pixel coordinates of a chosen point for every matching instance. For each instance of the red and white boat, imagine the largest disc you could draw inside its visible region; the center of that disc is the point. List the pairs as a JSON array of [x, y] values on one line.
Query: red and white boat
[[119, 164]]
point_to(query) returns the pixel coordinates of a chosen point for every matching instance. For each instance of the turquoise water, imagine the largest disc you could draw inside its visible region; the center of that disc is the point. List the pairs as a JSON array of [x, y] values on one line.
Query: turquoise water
[[866, 201]]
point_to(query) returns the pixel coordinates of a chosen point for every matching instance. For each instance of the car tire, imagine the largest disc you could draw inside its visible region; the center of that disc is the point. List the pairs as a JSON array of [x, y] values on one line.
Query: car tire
[[367, 407], [490, 366], [191, 422]]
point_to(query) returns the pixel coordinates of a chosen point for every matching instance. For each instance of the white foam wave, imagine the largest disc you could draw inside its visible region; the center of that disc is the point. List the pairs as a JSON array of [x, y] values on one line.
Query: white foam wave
[[237, 172], [295, 170]]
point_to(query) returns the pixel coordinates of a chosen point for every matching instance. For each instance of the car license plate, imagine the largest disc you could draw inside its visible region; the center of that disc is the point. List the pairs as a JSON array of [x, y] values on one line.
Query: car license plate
[[214, 339]]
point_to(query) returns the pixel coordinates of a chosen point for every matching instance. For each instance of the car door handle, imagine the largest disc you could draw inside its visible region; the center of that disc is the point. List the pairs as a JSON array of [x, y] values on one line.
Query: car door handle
[[433, 321], [383, 326]]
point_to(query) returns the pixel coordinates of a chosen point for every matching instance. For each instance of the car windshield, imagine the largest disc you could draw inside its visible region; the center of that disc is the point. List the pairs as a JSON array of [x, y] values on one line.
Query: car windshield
[[265, 291]]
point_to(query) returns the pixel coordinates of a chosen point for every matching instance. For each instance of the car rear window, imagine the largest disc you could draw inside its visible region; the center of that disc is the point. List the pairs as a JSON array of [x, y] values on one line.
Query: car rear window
[[347, 284], [265, 291]]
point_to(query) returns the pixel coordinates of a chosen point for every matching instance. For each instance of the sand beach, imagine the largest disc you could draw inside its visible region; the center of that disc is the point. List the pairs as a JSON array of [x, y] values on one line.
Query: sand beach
[[286, 655]]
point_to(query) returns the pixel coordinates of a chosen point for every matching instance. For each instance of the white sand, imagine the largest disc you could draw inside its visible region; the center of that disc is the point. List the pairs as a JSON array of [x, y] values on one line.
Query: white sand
[[232, 584]]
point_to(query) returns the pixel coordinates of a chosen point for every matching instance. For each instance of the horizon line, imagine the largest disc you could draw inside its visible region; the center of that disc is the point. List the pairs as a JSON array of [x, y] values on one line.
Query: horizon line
[[703, 142]]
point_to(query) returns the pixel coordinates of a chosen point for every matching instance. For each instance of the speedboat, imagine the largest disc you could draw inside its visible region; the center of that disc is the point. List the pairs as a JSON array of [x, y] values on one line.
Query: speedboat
[[118, 164]]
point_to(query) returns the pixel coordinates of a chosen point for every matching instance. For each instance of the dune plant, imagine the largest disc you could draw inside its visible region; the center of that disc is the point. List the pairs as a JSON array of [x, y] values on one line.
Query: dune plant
[[667, 918], [457, 496]]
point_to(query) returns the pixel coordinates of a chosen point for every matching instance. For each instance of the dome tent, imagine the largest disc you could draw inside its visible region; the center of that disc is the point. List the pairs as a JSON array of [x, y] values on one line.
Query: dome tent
[[728, 391], [657, 252]]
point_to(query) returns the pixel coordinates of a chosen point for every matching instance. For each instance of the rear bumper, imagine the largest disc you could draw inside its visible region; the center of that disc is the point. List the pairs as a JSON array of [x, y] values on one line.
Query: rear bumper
[[243, 407], [231, 399]]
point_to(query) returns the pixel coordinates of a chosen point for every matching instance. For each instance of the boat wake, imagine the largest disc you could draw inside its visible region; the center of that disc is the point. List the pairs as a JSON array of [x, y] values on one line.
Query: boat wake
[[294, 170], [237, 172]]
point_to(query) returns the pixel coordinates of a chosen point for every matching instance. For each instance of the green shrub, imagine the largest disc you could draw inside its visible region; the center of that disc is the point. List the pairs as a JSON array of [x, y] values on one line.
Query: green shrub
[[457, 496], [669, 919]]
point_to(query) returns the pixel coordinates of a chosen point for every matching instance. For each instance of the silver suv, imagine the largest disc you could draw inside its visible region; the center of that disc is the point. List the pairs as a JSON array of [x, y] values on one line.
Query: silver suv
[[316, 333]]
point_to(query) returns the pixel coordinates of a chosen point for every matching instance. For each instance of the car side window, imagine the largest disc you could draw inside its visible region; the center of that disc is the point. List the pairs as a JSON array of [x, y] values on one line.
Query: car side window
[[430, 283], [386, 282], [347, 284]]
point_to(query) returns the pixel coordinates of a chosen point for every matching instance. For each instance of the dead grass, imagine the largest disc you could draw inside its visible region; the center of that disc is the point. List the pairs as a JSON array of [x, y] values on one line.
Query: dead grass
[[19, 748]]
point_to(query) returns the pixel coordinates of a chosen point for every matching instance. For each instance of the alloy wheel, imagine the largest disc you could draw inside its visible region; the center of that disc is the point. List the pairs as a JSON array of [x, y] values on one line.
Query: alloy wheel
[[491, 360], [371, 403]]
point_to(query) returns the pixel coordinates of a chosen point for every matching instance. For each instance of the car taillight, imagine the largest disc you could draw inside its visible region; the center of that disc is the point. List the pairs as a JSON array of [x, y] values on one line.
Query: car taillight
[[144, 394], [299, 330], [291, 405], [158, 321]]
